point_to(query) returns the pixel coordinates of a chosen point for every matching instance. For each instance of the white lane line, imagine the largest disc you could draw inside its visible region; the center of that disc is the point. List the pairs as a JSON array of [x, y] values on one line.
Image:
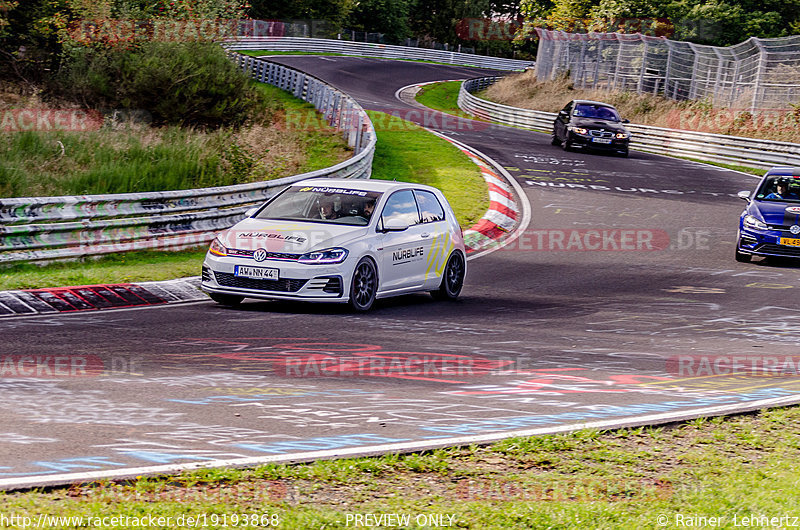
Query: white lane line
[[405, 447]]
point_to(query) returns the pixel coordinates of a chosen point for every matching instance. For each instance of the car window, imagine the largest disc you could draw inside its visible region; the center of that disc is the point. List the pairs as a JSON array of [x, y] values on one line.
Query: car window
[[430, 210], [322, 204], [401, 205], [779, 188], [599, 112]]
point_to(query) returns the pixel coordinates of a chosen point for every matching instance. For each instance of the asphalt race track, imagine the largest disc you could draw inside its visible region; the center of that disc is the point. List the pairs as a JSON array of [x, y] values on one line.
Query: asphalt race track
[[620, 304]]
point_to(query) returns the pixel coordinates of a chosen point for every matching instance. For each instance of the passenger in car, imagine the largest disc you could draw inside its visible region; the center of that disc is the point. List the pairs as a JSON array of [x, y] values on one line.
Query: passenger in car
[[781, 191], [327, 210]]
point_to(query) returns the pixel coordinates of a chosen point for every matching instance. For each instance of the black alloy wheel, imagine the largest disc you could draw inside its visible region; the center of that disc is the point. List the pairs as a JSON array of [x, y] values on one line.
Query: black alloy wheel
[[452, 279], [364, 286]]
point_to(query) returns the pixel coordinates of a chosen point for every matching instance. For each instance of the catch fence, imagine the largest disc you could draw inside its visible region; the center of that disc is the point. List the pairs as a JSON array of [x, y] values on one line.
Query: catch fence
[[753, 75]]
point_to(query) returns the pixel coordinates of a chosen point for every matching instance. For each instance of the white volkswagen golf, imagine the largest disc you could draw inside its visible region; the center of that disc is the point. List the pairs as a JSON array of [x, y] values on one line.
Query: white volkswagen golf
[[340, 240]]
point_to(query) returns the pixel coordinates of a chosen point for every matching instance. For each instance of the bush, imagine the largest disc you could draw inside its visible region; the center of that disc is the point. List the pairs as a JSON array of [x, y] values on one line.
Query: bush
[[176, 83]]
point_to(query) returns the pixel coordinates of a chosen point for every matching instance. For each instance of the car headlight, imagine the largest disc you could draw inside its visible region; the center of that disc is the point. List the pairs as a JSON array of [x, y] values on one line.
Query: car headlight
[[217, 248], [324, 257], [752, 222], [620, 136], [579, 130]]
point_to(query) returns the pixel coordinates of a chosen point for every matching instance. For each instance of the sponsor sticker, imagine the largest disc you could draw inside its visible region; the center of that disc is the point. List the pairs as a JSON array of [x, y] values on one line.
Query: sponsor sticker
[[341, 191]]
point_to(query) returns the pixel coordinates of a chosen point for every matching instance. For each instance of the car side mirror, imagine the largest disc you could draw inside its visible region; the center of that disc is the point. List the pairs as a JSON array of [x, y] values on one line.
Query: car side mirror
[[395, 225], [744, 195], [250, 212], [626, 121]]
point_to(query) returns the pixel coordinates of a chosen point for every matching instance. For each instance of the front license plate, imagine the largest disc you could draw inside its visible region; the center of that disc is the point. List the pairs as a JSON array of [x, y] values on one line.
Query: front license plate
[[790, 242], [601, 140], [258, 273]]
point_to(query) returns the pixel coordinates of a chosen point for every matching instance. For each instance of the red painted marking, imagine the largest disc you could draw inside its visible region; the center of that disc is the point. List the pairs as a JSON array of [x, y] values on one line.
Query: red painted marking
[[503, 209], [497, 189]]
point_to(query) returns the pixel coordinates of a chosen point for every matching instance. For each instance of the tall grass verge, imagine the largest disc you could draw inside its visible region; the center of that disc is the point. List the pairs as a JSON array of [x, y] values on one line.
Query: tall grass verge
[[405, 152], [135, 158]]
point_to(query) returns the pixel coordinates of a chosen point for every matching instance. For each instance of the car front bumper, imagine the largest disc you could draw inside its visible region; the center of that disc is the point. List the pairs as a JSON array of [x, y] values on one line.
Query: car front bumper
[[616, 144], [296, 281], [767, 243]]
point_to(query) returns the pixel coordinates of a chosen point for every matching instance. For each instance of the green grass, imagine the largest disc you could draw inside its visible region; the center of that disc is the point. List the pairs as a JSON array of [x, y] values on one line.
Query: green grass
[[408, 153], [730, 467], [404, 152], [442, 97], [138, 158], [104, 161]]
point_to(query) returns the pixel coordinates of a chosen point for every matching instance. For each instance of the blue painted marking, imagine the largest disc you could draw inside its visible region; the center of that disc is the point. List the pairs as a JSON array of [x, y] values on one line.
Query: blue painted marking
[[165, 458], [322, 443], [603, 411]]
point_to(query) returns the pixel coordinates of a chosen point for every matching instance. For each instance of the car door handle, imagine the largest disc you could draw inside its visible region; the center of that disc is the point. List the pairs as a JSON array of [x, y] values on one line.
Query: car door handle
[[426, 234]]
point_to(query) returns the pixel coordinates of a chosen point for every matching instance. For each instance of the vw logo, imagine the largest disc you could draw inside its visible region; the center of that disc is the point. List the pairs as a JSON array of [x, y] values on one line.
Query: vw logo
[[794, 229], [260, 255]]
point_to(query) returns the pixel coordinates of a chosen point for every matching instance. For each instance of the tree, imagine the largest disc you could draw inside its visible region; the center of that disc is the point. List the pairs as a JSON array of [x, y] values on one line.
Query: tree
[[716, 22], [333, 11], [389, 17]]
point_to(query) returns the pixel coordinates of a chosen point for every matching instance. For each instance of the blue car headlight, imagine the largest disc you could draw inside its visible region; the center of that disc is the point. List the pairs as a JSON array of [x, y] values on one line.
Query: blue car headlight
[[752, 222], [324, 257]]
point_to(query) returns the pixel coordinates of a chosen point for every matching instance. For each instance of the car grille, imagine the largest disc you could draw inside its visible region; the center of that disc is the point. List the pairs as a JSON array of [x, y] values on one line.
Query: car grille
[[783, 228], [601, 133], [284, 285], [779, 250], [241, 253]]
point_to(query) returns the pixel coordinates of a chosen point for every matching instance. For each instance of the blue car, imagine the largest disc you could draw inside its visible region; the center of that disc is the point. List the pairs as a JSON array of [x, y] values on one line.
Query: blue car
[[770, 224]]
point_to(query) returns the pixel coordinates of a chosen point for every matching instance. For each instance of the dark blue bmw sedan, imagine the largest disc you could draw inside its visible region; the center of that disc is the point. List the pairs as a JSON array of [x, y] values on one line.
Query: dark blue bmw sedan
[[770, 224]]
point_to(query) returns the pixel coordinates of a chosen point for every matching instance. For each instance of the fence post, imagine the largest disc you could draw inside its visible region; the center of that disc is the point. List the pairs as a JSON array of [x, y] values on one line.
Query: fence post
[[619, 56], [643, 69], [759, 74], [693, 81], [718, 82], [598, 58], [581, 68]]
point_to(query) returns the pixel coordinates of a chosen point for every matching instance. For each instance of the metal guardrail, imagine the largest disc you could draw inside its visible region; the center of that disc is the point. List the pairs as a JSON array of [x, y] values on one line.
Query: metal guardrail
[[749, 152], [48, 228], [381, 51]]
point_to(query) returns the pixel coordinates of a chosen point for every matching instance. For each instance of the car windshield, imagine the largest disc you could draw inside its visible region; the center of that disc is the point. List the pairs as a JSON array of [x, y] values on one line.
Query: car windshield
[[322, 204], [777, 188], [600, 112]]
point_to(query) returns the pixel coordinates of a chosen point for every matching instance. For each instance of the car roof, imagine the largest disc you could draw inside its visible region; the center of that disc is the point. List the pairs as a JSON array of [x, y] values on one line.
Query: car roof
[[590, 102], [785, 171], [362, 184]]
